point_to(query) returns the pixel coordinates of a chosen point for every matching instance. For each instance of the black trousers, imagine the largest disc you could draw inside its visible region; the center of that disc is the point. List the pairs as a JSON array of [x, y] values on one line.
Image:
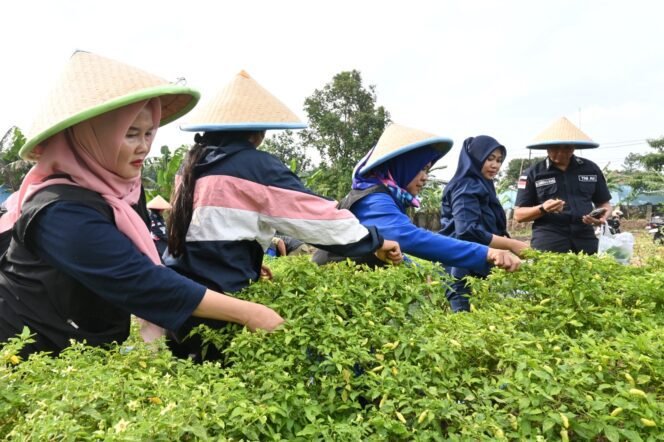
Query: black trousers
[[563, 243]]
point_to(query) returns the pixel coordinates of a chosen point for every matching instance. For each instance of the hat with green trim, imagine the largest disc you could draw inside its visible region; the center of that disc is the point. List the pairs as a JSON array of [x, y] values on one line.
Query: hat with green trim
[[397, 140], [91, 85], [242, 105], [562, 133]]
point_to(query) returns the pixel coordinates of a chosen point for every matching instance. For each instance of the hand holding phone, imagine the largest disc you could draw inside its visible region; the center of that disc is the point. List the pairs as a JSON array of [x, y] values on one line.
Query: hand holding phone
[[597, 213]]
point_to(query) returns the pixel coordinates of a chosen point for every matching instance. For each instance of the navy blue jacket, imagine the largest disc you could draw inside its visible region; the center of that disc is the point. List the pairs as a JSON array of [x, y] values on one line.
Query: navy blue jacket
[[242, 197], [467, 214]]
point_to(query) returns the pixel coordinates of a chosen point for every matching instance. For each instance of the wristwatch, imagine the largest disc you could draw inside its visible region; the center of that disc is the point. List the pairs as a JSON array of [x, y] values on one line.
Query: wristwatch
[[542, 209]]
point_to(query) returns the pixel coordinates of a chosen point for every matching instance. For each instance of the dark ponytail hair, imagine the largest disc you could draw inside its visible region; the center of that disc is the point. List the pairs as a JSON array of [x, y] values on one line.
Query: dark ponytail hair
[[182, 197]]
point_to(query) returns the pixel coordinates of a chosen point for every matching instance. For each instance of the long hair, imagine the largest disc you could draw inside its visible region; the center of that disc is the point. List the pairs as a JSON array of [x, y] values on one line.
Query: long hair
[[182, 197]]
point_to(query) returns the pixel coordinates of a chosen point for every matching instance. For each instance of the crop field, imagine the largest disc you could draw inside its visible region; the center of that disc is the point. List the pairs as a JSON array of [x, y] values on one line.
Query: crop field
[[568, 348]]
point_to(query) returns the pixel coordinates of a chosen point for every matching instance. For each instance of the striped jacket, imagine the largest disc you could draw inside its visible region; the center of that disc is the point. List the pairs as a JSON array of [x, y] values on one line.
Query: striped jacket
[[242, 197]]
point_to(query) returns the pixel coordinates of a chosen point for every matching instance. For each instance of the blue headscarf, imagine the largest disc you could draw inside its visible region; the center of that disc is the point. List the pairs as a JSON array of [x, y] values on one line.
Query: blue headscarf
[[474, 153], [397, 173]]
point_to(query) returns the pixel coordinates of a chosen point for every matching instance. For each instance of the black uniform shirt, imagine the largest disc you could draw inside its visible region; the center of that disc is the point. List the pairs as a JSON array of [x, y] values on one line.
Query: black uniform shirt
[[581, 185]]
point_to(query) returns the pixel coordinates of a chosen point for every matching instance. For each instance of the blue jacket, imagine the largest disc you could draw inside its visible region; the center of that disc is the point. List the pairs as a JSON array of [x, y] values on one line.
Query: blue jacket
[[382, 211]]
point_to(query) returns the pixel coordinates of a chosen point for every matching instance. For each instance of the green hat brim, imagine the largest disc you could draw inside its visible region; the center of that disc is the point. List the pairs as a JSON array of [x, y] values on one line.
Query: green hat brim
[[116, 103]]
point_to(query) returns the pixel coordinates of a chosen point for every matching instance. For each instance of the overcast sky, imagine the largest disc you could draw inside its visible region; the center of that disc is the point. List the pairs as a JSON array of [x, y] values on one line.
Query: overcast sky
[[455, 68]]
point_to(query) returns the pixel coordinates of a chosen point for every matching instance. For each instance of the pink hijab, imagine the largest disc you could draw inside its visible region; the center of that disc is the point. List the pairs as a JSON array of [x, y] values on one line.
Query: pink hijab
[[88, 152]]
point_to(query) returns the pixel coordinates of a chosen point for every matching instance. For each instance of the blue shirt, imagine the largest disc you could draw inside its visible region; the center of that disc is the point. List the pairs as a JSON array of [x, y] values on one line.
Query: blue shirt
[[79, 241]]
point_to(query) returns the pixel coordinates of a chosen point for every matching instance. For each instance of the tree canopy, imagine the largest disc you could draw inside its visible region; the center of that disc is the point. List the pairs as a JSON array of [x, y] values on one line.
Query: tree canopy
[[516, 167], [290, 150], [12, 167], [344, 123]]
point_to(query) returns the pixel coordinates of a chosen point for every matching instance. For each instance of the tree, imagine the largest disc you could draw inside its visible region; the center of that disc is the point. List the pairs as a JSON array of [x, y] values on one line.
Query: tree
[[644, 171], [344, 123], [632, 162], [289, 150], [654, 161], [159, 172], [12, 168], [515, 168]]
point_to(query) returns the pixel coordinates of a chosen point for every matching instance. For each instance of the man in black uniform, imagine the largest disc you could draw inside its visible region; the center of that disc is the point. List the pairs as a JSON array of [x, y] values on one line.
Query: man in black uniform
[[559, 193]]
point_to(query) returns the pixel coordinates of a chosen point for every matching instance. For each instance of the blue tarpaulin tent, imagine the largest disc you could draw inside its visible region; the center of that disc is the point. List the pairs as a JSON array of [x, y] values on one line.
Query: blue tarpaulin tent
[[618, 197], [4, 194]]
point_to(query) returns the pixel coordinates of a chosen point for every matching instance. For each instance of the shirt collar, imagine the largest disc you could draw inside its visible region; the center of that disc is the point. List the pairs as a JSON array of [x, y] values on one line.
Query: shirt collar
[[573, 162]]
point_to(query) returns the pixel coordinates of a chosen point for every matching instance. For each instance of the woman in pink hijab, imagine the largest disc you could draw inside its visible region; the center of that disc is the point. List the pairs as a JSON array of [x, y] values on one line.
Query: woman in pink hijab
[[81, 259]]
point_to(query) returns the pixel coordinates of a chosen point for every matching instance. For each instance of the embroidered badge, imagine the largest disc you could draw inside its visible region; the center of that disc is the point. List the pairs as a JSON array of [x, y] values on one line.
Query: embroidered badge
[[523, 179], [545, 182], [588, 178]]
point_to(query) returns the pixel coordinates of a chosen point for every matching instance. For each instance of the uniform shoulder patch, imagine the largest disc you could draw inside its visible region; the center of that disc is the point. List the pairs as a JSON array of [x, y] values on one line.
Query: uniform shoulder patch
[[523, 180]]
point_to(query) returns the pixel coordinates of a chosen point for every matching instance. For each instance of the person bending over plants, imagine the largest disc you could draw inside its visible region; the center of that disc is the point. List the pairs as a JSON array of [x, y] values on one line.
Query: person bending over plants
[[81, 258], [231, 199], [387, 181]]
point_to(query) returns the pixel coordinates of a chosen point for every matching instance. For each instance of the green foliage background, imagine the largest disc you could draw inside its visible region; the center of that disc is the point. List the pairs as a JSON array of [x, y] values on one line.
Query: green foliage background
[[12, 167], [568, 347]]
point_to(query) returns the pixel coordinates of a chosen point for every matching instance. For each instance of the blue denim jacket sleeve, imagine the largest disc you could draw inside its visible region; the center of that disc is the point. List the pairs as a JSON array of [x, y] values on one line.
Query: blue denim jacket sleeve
[[380, 210]]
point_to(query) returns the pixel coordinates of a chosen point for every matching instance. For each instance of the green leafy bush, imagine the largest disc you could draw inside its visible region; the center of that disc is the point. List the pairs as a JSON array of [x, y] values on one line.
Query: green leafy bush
[[570, 347]]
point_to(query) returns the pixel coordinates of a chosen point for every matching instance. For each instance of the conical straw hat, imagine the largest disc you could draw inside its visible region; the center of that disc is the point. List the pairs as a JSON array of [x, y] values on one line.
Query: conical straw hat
[[242, 105], [562, 133], [91, 85], [397, 140], [158, 203]]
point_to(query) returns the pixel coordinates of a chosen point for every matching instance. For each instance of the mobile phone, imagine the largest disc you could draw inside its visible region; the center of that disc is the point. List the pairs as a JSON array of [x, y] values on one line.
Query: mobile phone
[[597, 212]]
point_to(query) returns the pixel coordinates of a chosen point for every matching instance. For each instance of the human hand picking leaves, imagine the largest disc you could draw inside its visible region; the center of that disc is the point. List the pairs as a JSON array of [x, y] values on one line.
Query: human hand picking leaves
[[503, 259], [390, 252]]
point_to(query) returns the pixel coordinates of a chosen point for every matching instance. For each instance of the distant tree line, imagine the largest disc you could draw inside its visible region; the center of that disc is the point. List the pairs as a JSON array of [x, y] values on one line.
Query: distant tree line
[[344, 123]]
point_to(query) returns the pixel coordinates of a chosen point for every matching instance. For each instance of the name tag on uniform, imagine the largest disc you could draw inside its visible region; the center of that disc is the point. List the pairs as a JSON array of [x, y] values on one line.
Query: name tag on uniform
[[545, 182], [588, 178]]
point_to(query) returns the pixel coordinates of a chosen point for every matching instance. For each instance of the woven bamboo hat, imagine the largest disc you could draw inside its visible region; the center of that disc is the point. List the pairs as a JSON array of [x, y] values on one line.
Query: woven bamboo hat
[[91, 85], [158, 203], [397, 140], [562, 133], [242, 105]]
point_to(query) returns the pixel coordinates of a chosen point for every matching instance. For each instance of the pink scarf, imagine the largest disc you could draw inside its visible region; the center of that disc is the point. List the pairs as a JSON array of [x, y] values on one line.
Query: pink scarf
[[88, 152]]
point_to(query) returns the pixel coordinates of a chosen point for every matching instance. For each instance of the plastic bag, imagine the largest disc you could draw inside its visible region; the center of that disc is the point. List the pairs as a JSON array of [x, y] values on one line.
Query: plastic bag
[[620, 246]]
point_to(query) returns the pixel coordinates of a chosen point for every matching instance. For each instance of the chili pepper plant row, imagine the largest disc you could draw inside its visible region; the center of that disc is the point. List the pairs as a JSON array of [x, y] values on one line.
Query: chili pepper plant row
[[568, 348]]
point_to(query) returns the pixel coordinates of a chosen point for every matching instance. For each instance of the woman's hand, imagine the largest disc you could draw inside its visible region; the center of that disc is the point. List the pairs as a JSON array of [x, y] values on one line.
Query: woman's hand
[[503, 259], [390, 252], [215, 305], [517, 247], [262, 317], [266, 273]]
